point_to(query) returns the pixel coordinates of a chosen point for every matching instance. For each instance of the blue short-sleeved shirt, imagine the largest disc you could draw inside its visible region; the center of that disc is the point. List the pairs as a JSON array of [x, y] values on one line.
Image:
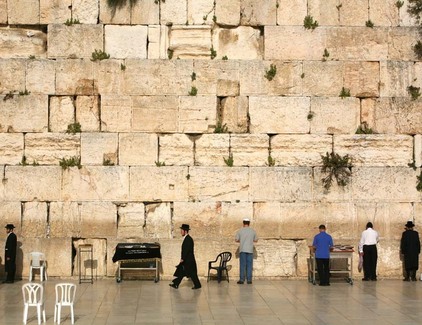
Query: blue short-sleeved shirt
[[322, 243]]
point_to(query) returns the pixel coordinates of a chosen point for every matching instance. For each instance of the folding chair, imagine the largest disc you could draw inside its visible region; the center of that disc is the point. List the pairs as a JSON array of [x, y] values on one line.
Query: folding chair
[[222, 260], [65, 296], [33, 296], [37, 262]]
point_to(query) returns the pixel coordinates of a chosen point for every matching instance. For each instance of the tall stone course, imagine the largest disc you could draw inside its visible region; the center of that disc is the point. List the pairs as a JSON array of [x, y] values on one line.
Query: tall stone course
[[191, 87]]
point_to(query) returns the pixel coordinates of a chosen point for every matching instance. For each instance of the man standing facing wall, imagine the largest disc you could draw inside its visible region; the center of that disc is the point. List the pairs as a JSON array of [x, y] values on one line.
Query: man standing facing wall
[[246, 236], [322, 244], [368, 249]]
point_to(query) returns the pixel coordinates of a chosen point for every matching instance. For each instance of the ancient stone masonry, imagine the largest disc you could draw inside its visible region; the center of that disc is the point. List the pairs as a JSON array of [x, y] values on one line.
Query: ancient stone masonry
[[120, 124]]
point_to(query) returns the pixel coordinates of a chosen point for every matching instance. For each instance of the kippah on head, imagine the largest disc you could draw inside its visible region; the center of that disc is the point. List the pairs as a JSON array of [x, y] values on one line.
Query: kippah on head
[[246, 221], [321, 227]]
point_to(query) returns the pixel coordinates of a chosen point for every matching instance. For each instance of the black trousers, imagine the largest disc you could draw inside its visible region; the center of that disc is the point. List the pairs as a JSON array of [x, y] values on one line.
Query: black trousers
[[11, 271], [370, 257], [194, 278], [323, 267]]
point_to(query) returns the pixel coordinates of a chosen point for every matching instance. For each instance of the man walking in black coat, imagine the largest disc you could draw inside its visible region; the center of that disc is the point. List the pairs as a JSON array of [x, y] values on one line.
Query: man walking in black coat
[[10, 254], [187, 265], [410, 247]]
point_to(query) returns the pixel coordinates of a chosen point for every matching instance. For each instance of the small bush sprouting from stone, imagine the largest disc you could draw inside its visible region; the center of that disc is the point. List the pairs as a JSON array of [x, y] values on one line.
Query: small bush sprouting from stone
[[417, 48], [9, 95], [158, 1], [99, 55], [193, 76], [364, 129], [193, 91], [122, 67], [345, 92], [74, 128], [270, 74], [65, 163], [71, 22], [229, 161], [24, 93], [270, 161], [159, 163], [170, 53], [213, 54], [369, 24], [310, 116], [419, 182], [32, 57], [221, 128], [325, 55], [302, 75], [309, 23], [414, 92], [399, 4], [225, 58], [337, 168], [23, 161], [414, 8], [214, 18], [107, 162], [114, 4]]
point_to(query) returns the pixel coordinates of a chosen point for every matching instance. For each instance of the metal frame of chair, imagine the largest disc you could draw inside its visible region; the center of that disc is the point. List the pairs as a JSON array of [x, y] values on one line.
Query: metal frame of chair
[[37, 261], [65, 296], [222, 265], [33, 296]]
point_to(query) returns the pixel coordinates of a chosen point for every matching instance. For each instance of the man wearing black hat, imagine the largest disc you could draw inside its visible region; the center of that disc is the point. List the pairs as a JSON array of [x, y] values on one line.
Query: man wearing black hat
[[10, 254], [410, 247], [187, 265]]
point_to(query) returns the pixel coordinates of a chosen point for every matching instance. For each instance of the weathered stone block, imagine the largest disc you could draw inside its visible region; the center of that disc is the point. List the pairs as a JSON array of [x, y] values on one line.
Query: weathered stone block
[[145, 12], [285, 184], [176, 149], [362, 78], [108, 76], [75, 77], [335, 193], [116, 113], [389, 262], [41, 76], [334, 115], [131, 220], [173, 12], [24, 12], [27, 183], [212, 149], [88, 113], [241, 43], [260, 13], [396, 77], [99, 258], [34, 219], [275, 258], [322, 78], [354, 13], [158, 42], [234, 114], [158, 220], [55, 11], [205, 183], [74, 41], [3, 11], [10, 212], [11, 148], [401, 42], [227, 12], [291, 12], [279, 114], [383, 14], [65, 219], [61, 113], [159, 183], [267, 219], [190, 42], [299, 150], [325, 12], [87, 12], [138, 149], [119, 41], [99, 148], [228, 88], [417, 144], [22, 43], [14, 113], [119, 15], [98, 219], [197, 114], [405, 18], [12, 74], [249, 149], [201, 12], [155, 113], [50, 148], [375, 149]]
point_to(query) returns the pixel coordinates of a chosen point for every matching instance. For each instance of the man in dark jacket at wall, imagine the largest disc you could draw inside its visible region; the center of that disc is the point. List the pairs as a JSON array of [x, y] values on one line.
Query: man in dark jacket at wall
[[410, 247], [10, 254]]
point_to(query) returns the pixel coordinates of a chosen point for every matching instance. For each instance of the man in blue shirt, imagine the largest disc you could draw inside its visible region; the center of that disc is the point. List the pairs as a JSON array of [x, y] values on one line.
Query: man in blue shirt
[[322, 244]]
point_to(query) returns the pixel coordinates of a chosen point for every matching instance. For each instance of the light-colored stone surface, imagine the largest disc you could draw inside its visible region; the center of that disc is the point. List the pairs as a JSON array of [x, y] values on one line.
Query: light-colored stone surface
[[401, 42], [99, 148], [65, 219], [138, 149], [24, 12], [253, 13], [55, 11], [10, 212], [88, 113], [362, 78], [98, 219], [11, 148], [173, 12], [383, 13], [234, 114], [197, 114], [280, 254], [146, 12], [74, 77], [227, 12], [34, 219], [158, 220], [116, 113], [200, 12], [12, 73], [131, 219], [99, 257], [325, 12], [396, 77], [291, 12], [3, 11], [249, 150], [176, 149], [123, 42], [120, 15], [354, 13], [22, 43], [40, 76], [108, 76], [212, 149], [61, 113], [86, 12], [190, 42], [322, 78], [417, 144], [158, 41]]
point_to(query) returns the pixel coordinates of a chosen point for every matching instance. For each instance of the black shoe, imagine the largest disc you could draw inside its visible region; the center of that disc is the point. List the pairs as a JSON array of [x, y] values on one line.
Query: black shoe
[[194, 288], [374, 279], [249, 282], [413, 279], [8, 281], [173, 285], [240, 282], [406, 279], [365, 279], [324, 284]]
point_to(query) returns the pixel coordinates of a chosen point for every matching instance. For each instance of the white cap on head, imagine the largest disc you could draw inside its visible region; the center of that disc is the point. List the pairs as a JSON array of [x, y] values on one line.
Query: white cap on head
[[246, 219]]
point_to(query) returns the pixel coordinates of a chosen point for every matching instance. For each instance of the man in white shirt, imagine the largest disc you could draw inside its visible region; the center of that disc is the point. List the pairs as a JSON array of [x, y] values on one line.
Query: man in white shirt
[[368, 249], [246, 236]]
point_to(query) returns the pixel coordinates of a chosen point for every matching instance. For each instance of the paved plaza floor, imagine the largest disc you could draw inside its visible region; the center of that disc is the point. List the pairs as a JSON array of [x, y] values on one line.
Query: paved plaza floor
[[263, 302]]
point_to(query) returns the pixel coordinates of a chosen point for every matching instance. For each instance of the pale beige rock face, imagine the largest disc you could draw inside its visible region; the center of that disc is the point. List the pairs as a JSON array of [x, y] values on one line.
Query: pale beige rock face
[[227, 88], [55, 11], [417, 143], [116, 113], [173, 12], [336, 193], [405, 18], [198, 10], [3, 11], [108, 76], [86, 12], [267, 219], [158, 220], [40, 76], [74, 77], [25, 12], [110, 16], [34, 219], [13, 74], [354, 13], [190, 42], [275, 258], [158, 41], [10, 212], [11, 148], [99, 148], [212, 149], [145, 12], [291, 12], [99, 250], [61, 113], [98, 219], [396, 77], [389, 261], [137, 149], [75, 41], [322, 79], [240, 43], [176, 149], [88, 113], [260, 13], [22, 43], [158, 183], [362, 78], [383, 13], [325, 12], [279, 114], [50, 148], [249, 150], [14, 113], [108, 183], [334, 115], [197, 114], [123, 42], [303, 150], [65, 219], [131, 219], [401, 41], [227, 12], [27, 183], [234, 114], [375, 149]]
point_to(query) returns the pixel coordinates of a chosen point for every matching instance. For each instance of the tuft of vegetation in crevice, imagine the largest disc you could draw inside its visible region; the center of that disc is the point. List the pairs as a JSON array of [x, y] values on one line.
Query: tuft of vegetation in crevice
[[270, 161], [310, 116], [213, 53], [337, 168], [71, 22], [399, 4], [24, 162], [74, 128], [414, 92], [419, 182], [326, 55], [117, 4], [66, 163], [159, 163], [99, 55], [369, 24], [364, 129], [345, 92], [270, 74], [221, 128], [229, 161], [193, 91], [309, 23]]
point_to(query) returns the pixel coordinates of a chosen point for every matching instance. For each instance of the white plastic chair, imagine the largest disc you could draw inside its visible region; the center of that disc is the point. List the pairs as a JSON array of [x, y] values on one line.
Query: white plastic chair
[[65, 296], [37, 261], [33, 296]]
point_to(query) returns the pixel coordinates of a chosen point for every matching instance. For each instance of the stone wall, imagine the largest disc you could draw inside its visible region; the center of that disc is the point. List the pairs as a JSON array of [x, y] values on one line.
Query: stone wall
[[178, 71]]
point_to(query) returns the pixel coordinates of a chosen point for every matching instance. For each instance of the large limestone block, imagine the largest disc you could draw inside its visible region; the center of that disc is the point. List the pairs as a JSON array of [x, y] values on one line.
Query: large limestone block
[[279, 114], [22, 43], [417, 143], [291, 12], [176, 149], [75, 77], [354, 13], [322, 79], [34, 219], [119, 15], [138, 149], [212, 149], [159, 183], [61, 113], [405, 18], [91, 183], [335, 193], [108, 76], [14, 113], [50, 148], [362, 78], [334, 115], [393, 115], [275, 258], [375, 149], [299, 150], [158, 220], [11, 148], [234, 114], [249, 149], [10, 212], [55, 11], [155, 113], [253, 13], [294, 43], [190, 42], [123, 42], [99, 148], [131, 220], [146, 12], [401, 41], [383, 13], [201, 12], [197, 114], [13, 75], [285, 184], [27, 183], [287, 80], [88, 113], [325, 12], [267, 219], [74, 41], [205, 183], [116, 113], [3, 11], [158, 41], [396, 77], [23, 12], [98, 219], [87, 12], [64, 219], [389, 262], [394, 184], [41, 76], [227, 12], [165, 77], [173, 12], [99, 257], [240, 43]]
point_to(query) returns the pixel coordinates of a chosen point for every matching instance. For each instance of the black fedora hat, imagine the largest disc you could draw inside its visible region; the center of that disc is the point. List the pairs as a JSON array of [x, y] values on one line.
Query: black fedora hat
[[185, 227], [409, 224], [9, 226]]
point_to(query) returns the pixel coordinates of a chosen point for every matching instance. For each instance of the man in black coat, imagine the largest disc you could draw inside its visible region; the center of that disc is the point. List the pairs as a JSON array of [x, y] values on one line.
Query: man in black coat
[[10, 254], [187, 265], [410, 247]]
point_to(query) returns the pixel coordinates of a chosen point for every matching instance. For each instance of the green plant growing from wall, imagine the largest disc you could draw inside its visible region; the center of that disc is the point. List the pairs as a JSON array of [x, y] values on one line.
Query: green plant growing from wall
[[214, 19], [158, 1], [32, 57], [270, 161], [24, 93], [302, 75], [159, 163], [213, 54], [71, 22], [345, 92], [122, 67], [337, 168], [107, 162], [193, 91], [23, 162], [193, 76], [170, 53], [419, 182], [369, 24], [225, 58], [66, 163], [229, 161], [99, 55], [309, 23], [270, 74], [221, 128], [417, 48], [115, 4], [326, 55], [310, 116], [74, 128], [399, 4], [364, 129], [414, 92], [8, 96], [414, 8]]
